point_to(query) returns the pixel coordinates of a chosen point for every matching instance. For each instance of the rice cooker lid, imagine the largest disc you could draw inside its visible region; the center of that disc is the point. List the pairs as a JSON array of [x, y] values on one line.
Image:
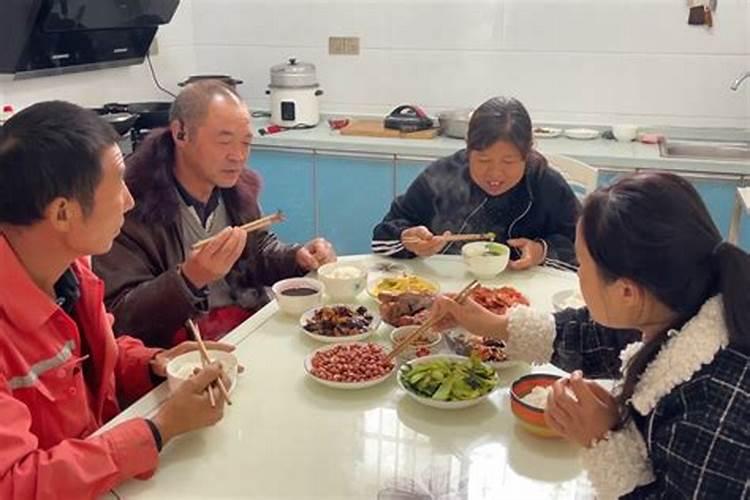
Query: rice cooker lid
[[293, 74]]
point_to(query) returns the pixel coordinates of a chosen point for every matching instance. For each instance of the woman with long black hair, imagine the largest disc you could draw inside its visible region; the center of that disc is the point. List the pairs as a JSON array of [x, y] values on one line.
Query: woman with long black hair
[[654, 270]]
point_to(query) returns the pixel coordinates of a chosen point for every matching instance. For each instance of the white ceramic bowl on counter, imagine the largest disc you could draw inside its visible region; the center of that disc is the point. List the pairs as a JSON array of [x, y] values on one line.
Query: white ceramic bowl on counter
[[343, 281], [625, 133], [183, 366], [295, 303]]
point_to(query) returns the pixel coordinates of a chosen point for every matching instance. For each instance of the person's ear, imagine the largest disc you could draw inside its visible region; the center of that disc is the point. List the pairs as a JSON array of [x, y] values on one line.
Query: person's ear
[[179, 133], [59, 214], [630, 293]]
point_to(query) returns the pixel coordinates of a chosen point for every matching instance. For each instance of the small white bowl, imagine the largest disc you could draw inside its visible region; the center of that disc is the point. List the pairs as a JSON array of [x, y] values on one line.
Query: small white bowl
[[343, 281], [482, 265], [308, 315], [297, 304], [182, 367], [625, 133], [398, 334]]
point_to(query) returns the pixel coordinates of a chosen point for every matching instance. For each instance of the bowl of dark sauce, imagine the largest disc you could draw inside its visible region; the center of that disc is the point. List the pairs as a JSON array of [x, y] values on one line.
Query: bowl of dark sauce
[[297, 295]]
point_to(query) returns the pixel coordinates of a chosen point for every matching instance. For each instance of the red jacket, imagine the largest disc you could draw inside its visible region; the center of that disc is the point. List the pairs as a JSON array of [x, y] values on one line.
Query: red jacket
[[47, 407]]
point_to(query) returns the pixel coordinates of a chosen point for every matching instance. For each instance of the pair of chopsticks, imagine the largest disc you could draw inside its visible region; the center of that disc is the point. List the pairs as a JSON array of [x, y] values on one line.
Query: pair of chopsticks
[[251, 226], [206, 361], [454, 237], [460, 298]]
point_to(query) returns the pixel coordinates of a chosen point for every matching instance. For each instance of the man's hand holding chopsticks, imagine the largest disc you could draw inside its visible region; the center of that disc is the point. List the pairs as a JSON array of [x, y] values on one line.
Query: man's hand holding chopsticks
[[189, 407], [162, 359], [213, 260]]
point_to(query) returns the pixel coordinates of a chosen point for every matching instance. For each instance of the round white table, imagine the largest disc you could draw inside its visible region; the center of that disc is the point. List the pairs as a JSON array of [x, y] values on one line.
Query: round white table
[[288, 437]]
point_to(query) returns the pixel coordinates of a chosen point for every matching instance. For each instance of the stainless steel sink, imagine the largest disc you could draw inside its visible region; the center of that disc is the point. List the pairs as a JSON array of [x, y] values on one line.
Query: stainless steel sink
[[709, 150]]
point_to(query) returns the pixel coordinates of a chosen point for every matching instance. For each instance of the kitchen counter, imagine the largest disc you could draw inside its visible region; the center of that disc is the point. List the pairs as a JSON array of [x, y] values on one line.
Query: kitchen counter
[[598, 152]]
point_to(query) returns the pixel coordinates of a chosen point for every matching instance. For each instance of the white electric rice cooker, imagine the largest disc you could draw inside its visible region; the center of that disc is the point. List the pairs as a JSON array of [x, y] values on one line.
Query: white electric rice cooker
[[294, 92]]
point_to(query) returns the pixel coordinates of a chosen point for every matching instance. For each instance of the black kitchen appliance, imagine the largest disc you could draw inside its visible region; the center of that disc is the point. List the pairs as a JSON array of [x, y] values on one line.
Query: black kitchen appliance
[[121, 122], [150, 114], [147, 116], [408, 118], [58, 36]]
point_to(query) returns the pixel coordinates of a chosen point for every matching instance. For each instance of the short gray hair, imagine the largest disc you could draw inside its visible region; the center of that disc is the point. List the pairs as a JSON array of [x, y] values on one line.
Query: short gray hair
[[191, 105]]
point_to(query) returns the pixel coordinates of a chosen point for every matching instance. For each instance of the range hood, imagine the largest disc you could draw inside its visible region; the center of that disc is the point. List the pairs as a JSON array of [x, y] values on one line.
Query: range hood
[[43, 37]]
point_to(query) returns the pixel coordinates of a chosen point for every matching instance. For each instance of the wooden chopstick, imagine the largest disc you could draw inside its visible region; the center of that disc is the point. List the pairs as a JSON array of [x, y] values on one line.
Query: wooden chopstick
[[263, 221], [453, 237], [206, 360], [460, 298], [251, 226]]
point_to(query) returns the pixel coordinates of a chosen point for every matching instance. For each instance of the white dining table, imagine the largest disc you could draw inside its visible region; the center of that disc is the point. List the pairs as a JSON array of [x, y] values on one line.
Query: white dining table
[[288, 437]]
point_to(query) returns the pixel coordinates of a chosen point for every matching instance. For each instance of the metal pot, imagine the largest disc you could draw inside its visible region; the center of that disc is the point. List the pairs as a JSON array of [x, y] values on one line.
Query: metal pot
[[455, 123], [293, 74]]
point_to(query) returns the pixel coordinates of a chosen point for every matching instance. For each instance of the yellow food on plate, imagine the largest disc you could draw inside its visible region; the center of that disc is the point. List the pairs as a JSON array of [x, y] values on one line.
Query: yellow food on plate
[[408, 283]]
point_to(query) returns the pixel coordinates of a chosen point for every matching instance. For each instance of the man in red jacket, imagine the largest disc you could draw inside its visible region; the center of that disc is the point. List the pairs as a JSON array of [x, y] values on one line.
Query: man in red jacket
[[62, 373]]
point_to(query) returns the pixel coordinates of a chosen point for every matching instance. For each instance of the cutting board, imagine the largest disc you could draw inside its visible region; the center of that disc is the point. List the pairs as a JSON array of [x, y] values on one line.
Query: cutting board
[[375, 128]]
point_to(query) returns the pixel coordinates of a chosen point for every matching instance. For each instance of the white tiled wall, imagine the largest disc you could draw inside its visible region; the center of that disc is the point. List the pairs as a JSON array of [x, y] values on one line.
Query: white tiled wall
[[569, 60], [174, 61], [596, 61]]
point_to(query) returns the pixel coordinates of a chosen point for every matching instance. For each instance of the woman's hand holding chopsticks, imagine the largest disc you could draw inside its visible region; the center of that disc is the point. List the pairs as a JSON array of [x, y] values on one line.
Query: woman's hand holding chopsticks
[[420, 241]]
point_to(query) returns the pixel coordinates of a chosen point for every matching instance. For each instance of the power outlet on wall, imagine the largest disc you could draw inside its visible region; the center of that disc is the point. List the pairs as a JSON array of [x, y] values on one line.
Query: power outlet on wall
[[343, 45]]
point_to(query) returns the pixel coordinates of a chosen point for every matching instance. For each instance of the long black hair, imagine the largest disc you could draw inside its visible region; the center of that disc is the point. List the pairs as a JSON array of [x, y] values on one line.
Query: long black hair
[[500, 119], [654, 229]]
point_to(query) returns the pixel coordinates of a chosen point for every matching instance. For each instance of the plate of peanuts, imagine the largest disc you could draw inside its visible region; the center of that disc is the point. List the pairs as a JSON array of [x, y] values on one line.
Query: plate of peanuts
[[354, 365]]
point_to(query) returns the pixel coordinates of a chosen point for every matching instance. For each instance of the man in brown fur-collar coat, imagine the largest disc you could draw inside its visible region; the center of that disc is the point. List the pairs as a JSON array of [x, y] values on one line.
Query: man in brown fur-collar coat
[[190, 182]]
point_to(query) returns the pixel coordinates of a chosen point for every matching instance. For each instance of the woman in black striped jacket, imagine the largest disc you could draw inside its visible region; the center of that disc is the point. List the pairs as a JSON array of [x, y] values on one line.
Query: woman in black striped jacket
[[668, 313], [498, 184]]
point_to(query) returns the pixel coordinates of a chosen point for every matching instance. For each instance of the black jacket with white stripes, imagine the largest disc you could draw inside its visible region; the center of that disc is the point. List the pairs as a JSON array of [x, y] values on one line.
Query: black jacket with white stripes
[[444, 198]]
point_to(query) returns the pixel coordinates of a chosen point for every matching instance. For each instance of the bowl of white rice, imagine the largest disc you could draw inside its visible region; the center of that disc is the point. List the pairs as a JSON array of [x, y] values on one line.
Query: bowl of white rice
[[528, 401]]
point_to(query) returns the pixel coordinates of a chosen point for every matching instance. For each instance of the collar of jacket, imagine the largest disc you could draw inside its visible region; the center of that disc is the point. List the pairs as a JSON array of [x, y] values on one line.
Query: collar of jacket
[[683, 354], [24, 303]]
